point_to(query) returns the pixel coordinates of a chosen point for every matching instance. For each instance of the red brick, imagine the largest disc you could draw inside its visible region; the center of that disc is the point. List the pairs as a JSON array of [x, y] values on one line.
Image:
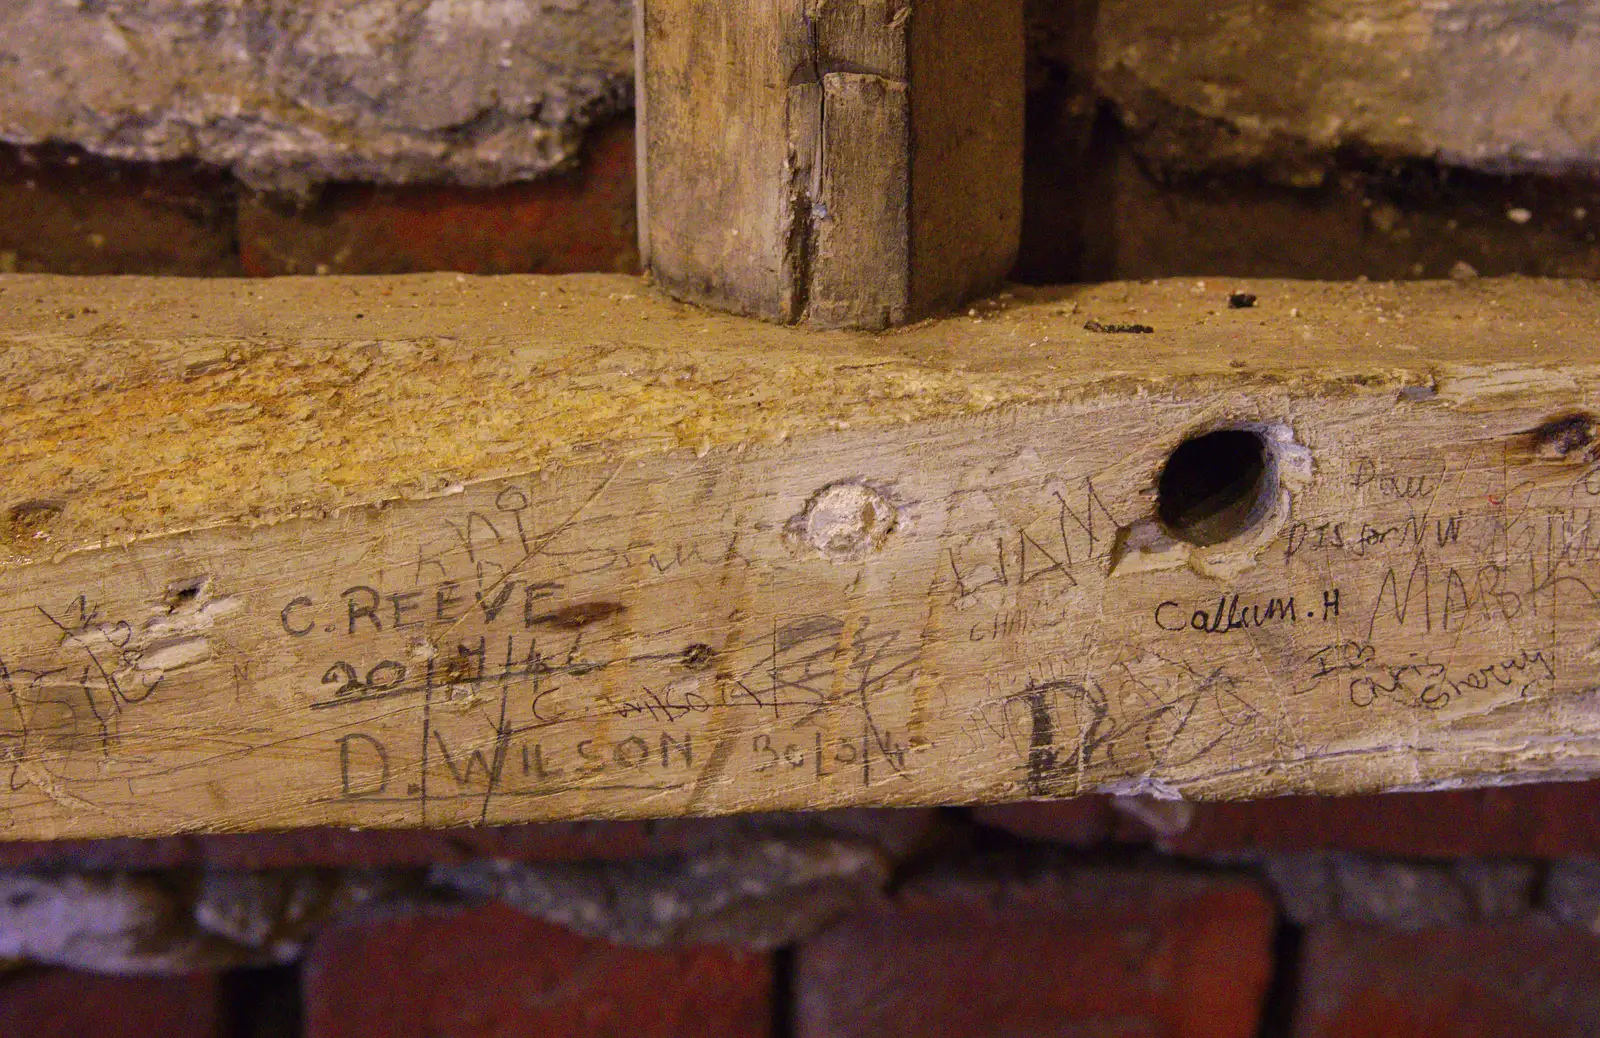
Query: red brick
[[573, 223], [490, 972], [1538, 821], [67, 213], [1508, 981], [1095, 211], [896, 831], [335, 848], [65, 1004], [1080, 822], [332, 848], [1099, 952], [100, 855]]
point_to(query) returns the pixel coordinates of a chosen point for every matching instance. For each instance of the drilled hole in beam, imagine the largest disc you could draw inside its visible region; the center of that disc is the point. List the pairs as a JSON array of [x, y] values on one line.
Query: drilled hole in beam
[[1216, 486]]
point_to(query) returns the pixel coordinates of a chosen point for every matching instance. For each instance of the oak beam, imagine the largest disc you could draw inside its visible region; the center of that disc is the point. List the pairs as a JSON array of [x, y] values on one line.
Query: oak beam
[[839, 164], [434, 550]]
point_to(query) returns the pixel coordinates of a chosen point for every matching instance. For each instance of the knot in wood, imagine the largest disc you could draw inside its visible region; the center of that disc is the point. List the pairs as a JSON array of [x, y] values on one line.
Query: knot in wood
[[845, 521]]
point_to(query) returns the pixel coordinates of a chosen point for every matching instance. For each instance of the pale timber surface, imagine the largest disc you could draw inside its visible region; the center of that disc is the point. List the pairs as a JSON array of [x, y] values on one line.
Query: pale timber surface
[[436, 550], [838, 165]]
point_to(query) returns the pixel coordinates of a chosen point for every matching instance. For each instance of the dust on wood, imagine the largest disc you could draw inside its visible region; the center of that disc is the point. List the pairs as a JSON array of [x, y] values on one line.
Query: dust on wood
[[436, 550]]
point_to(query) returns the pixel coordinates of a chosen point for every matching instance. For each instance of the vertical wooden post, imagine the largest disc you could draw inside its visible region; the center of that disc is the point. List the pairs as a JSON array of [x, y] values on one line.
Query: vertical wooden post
[[838, 163]]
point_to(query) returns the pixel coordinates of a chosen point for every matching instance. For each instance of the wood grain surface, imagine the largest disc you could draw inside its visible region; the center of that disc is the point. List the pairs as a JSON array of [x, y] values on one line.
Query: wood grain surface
[[841, 165], [434, 550]]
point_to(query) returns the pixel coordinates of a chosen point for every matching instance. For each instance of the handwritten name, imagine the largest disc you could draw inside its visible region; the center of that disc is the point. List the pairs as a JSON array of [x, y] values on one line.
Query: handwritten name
[[1233, 613]]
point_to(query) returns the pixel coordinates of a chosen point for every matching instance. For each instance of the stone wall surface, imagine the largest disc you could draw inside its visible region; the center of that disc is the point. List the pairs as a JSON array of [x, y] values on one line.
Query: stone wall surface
[[1451, 915], [288, 93], [1487, 84]]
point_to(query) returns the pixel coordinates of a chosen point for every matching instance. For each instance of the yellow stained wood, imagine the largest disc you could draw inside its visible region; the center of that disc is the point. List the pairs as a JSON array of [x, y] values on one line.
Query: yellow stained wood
[[438, 550]]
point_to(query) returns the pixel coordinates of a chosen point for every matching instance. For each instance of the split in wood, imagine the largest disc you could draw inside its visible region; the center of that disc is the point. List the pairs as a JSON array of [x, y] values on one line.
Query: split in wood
[[513, 549]]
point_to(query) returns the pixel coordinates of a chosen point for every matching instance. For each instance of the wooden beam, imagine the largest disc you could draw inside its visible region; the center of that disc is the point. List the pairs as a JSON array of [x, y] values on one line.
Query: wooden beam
[[843, 165], [434, 550]]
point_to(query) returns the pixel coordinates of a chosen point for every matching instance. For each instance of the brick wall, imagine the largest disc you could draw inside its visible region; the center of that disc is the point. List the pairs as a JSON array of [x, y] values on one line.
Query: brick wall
[[1450, 914], [1095, 210], [71, 213]]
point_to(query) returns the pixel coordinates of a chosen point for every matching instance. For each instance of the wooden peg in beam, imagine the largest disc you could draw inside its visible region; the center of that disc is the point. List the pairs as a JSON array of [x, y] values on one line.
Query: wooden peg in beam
[[834, 163]]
